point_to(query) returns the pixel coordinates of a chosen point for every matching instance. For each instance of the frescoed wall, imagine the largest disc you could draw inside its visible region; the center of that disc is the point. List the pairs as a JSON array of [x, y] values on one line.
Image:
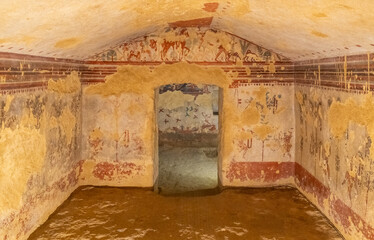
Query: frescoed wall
[[67, 123], [187, 44], [39, 143], [263, 136], [57, 134], [257, 125], [334, 132], [187, 115], [115, 141]]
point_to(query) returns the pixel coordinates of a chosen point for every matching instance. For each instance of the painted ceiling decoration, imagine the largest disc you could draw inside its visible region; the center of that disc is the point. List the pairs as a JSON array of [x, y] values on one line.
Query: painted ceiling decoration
[[303, 29]]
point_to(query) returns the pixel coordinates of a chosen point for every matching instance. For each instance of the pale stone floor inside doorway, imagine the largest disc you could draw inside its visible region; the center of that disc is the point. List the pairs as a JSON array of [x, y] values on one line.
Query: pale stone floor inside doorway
[[187, 169]]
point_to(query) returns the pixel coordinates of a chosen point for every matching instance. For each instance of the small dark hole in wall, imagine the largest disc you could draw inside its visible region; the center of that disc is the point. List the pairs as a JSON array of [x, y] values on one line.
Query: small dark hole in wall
[[215, 113]]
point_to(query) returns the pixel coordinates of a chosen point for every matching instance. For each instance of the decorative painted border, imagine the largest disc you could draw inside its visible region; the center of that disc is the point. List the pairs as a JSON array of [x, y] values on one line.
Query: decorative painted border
[[338, 211]]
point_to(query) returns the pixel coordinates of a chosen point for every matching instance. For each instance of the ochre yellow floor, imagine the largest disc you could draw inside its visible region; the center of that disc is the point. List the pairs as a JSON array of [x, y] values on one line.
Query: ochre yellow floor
[[127, 214]]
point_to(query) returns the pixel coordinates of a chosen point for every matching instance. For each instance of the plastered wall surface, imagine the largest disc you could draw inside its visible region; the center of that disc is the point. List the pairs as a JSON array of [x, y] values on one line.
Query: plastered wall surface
[[187, 115], [334, 163], [45, 149], [249, 141], [187, 109], [255, 148], [306, 120], [39, 151], [116, 139], [62, 133]]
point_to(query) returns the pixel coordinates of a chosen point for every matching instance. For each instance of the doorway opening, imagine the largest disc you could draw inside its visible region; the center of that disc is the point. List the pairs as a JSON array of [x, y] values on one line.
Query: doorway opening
[[188, 137]]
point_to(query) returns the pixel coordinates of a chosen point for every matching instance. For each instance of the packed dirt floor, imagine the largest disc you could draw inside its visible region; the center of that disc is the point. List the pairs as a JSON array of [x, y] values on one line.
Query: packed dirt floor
[[131, 213]]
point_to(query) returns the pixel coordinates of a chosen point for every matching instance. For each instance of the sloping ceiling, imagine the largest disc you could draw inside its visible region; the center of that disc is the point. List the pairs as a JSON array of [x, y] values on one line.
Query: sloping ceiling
[[301, 29]]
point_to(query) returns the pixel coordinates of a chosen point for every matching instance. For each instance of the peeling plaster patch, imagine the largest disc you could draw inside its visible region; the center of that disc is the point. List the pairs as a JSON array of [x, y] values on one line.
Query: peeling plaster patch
[[67, 121], [248, 71], [139, 79], [96, 134], [262, 131], [70, 84], [260, 94], [22, 153], [327, 147], [174, 99], [204, 100], [68, 43], [340, 115], [272, 67], [250, 115], [319, 15], [28, 119], [299, 98], [319, 34], [9, 100]]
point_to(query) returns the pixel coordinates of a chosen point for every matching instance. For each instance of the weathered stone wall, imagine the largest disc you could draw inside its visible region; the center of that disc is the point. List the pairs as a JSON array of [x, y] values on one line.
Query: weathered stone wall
[[334, 109], [40, 119], [257, 135]]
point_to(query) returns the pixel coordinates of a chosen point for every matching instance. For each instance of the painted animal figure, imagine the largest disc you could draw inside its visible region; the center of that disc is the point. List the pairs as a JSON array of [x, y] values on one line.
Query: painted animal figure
[[145, 50], [185, 50], [222, 50], [233, 56], [133, 55], [153, 44], [166, 45], [250, 56], [182, 44]]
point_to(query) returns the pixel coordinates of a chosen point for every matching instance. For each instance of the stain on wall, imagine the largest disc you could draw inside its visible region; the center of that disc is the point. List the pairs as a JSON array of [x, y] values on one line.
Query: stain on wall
[[39, 146], [334, 150]]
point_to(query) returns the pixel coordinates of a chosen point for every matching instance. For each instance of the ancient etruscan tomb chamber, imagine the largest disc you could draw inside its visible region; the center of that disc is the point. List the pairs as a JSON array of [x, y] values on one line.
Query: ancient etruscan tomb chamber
[[93, 92]]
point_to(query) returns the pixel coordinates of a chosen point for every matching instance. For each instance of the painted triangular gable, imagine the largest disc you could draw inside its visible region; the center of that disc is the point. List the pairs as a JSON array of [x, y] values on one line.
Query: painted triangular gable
[[188, 44]]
